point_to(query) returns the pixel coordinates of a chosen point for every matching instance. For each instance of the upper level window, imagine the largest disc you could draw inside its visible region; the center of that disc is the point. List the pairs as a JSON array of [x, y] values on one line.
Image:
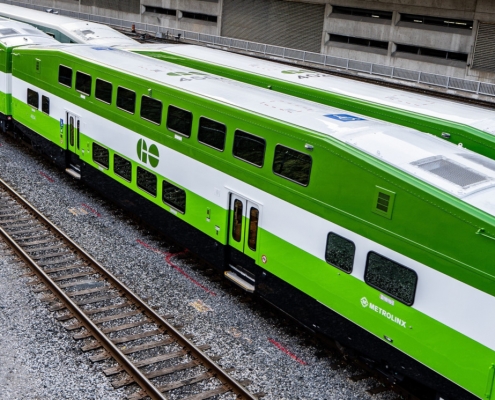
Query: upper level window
[[83, 83], [179, 121], [151, 110], [174, 196], [212, 133], [103, 91], [249, 148], [292, 165], [391, 278], [126, 99], [362, 12], [65, 75], [340, 252], [33, 98], [437, 21]]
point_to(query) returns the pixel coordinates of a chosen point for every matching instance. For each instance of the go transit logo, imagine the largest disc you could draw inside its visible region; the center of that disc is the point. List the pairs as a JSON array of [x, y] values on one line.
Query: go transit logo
[[366, 304], [148, 155]]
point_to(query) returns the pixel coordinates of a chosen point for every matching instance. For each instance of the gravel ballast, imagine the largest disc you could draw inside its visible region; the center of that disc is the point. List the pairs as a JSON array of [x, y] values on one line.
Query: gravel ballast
[[43, 361]]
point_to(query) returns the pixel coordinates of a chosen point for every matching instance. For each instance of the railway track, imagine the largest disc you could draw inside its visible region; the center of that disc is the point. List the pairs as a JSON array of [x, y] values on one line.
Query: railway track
[[111, 320]]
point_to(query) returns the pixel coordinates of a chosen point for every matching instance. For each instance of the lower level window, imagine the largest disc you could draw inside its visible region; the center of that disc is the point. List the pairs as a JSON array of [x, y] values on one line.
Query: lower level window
[[122, 167], [146, 181], [340, 252], [391, 278], [100, 155], [174, 196]]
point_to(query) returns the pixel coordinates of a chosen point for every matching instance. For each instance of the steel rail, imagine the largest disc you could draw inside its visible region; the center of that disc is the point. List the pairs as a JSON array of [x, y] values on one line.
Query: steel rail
[[135, 373]]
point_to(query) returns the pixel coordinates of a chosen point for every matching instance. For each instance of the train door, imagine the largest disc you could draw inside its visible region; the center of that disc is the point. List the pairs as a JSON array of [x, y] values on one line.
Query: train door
[[243, 237], [73, 163]]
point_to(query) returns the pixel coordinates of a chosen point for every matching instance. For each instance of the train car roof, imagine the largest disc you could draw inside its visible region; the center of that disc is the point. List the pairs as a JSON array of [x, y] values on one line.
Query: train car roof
[[79, 31], [453, 169], [14, 33], [479, 118]]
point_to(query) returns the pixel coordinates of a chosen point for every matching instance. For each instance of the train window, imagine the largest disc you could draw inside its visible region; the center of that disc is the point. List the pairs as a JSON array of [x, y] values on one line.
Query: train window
[[179, 121], [253, 228], [292, 165], [45, 105], [391, 278], [151, 110], [126, 99], [237, 225], [83, 83], [340, 252], [249, 148], [100, 155], [174, 196], [103, 91], [65, 75], [212, 133], [122, 167], [33, 98], [146, 181]]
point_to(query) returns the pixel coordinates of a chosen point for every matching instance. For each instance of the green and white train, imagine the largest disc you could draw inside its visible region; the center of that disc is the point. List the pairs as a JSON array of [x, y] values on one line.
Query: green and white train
[[377, 235], [455, 122]]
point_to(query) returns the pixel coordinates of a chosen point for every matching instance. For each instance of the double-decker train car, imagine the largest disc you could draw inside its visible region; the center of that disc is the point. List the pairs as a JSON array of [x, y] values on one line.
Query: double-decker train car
[[374, 234], [13, 34], [66, 29], [453, 121]]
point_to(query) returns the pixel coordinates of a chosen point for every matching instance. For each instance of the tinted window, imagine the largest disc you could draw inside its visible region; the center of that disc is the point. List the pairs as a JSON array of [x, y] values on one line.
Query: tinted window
[[103, 91], [237, 222], [253, 228], [249, 148], [179, 120], [151, 110], [146, 181], [83, 83], [212, 133], [340, 252], [126, 99], [391, 278], [45, 104], [174, 196], [65, 76], [33, 98], [122, 167], [292, 165], [100, 155]]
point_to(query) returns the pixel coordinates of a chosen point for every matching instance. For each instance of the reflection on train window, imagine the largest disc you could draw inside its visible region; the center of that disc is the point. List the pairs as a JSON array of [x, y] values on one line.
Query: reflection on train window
[[179, 121], [33, 98], [249, 148], [174, 196], [340, 252], [100, 155], [212, 133], [151, 110], [126, 99], [83, 83], [122, 167], [253, 228], [45, 105], [65, 76], [391, 278], [146, 181], [237, 224], [292, 165], [103, 91]]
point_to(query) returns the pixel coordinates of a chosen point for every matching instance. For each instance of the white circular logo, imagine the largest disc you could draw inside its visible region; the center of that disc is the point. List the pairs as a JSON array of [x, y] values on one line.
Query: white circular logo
[[364, 302], [263, 258]]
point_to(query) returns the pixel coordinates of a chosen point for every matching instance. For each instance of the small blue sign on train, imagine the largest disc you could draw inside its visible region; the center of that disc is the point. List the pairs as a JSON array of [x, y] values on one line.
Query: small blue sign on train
[[61, 122], [344, 117]]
